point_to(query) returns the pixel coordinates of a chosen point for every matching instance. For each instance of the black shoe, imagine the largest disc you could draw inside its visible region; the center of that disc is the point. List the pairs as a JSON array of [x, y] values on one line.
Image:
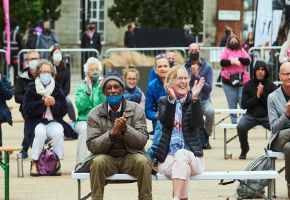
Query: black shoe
[[243, 155], [206, 146], [24, 154]]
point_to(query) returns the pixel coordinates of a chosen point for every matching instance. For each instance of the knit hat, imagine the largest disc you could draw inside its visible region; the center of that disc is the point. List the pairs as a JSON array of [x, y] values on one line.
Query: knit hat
[[113, 75]]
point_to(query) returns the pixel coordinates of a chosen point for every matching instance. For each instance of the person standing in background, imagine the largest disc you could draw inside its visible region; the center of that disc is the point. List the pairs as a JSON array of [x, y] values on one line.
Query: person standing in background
[[91, 39], [129, 36]]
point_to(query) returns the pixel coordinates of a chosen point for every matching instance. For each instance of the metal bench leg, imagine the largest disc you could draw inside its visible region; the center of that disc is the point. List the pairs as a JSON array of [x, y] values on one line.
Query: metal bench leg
[[270, 183], [274, 181], [225, 143], [79, 189]]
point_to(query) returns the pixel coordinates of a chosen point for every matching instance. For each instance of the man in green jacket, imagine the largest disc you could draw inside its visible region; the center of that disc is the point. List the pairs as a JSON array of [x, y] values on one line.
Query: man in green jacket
[[88, 95]]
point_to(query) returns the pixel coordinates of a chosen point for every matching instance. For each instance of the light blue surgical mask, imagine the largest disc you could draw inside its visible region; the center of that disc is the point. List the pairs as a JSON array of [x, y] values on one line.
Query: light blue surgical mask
[[33, 64], [57, 57], [45, 78], [114, 100]]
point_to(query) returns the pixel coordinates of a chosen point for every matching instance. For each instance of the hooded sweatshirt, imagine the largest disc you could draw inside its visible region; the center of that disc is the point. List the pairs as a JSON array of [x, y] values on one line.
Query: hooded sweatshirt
[[257, 107]]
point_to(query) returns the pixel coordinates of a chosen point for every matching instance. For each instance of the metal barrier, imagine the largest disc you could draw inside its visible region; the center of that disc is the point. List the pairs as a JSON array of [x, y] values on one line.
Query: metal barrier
[[270, 55], [3, 63], [74, 61], [147, 51]]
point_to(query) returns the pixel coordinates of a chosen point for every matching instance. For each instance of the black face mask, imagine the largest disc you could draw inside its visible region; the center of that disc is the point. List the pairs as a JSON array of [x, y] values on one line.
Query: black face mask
[[194, 56], [46, 31], [234, 46], [171, 64]]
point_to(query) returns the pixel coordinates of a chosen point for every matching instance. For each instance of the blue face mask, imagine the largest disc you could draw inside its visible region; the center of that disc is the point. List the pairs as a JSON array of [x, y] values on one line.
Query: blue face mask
[[45, 78], [33, 64], [114, 100]]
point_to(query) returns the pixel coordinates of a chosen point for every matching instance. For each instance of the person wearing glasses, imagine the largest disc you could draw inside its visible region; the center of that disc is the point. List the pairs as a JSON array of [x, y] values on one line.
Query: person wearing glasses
[[179, 152], [22, 81], [254, 100], [279, 115], [197, 67], [44, 106], [132, 91]]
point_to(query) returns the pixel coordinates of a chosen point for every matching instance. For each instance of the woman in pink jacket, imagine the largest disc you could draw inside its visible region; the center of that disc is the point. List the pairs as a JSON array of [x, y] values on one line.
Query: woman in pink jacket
[[234, 61]]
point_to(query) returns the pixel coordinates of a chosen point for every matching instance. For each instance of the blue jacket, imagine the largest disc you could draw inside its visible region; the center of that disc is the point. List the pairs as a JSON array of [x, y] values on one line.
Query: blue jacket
[[152, 75], [5, 94], [154, 91], [205, 70]]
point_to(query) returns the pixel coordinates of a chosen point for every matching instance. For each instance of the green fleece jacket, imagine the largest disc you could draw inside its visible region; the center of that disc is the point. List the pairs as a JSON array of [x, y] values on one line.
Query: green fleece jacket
[[85, 103]]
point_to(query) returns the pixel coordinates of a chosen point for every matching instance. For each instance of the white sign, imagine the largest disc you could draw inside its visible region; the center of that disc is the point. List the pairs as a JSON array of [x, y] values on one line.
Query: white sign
[[267, 23], [229, 15]]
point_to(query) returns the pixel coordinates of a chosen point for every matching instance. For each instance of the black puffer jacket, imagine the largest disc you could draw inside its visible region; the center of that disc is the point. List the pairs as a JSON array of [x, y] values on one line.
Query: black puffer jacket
[[192, 120]]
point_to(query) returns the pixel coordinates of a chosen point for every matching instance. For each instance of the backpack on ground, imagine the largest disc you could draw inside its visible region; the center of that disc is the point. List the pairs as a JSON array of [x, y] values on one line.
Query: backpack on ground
[[250, 189], [48, 163]]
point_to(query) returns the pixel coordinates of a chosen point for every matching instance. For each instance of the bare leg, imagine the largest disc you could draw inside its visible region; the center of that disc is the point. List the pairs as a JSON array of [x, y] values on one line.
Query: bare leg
[[178, 185]]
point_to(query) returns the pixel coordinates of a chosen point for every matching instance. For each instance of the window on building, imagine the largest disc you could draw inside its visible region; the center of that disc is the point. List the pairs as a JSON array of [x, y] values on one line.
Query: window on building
[[94, 11]]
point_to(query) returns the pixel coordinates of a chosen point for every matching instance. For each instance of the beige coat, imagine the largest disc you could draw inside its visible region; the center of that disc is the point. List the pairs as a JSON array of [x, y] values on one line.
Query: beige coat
[[100, 125]]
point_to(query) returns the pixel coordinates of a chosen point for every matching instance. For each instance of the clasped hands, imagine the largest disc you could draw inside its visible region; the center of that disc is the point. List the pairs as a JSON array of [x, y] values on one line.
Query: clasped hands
[[120, 126]]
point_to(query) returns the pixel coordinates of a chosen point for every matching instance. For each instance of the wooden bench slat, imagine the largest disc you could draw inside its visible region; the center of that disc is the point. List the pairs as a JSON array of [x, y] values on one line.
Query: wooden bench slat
[[10, 148]]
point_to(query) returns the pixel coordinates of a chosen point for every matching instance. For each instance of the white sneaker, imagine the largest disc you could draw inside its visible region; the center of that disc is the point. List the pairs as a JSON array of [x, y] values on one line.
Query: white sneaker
[[175, 198]]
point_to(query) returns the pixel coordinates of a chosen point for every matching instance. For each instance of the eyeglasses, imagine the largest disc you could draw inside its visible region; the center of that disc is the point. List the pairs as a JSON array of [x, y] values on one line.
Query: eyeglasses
[[131, 79], [285, 74], [180, 79], [28, 59]]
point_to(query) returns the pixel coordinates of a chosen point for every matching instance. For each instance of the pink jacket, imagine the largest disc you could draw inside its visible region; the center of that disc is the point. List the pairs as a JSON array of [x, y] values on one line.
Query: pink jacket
[[229, 54]]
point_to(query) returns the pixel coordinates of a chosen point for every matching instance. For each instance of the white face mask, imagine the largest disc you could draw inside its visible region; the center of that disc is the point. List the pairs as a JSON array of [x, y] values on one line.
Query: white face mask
[[57, 57], [45, 78]]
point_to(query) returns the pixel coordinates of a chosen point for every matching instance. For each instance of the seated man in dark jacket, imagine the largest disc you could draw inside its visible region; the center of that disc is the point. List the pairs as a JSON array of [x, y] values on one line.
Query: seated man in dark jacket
[[116, 137], [254, 99]]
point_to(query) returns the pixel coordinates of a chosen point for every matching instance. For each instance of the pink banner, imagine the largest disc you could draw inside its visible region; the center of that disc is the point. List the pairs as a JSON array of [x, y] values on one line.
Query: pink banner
[[7, 29]]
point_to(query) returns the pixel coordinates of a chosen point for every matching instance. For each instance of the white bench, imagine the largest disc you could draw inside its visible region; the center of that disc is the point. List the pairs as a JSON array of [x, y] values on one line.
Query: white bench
[[228, 112], [233, 126], [274, 155], [221, 175]]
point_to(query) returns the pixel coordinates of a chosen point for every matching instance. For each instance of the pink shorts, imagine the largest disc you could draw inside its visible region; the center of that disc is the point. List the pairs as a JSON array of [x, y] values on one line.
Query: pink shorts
[[182, 165]]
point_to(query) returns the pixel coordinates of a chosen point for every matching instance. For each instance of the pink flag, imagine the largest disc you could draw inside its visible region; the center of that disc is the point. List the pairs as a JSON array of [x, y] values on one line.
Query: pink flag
[[7, 29]]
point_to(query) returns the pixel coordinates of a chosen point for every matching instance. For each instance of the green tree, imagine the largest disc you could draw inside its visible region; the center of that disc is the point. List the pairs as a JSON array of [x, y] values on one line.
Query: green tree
[[27, 12], [158, 13]]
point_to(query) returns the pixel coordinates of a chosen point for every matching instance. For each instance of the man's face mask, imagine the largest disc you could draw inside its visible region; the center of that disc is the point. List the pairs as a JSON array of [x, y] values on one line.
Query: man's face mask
[[194, 56]]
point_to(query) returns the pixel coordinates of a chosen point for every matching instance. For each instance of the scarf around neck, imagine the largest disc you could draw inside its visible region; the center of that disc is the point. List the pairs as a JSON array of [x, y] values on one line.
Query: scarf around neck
[[44, 92]]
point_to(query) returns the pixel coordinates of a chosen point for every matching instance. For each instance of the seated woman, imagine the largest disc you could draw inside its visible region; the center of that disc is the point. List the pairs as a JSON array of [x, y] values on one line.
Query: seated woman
[[179, 152], [5, 114], [44, 106], [88, 95], [132, 91], [62, 77]]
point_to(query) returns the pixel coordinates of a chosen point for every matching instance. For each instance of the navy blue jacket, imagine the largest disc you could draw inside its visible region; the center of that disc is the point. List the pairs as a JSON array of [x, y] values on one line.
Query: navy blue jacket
[[205, 70], [33, 107], [5, 94]]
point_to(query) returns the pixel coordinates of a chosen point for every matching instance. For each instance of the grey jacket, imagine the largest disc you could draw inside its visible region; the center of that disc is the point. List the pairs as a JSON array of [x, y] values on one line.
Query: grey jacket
[[276, 112], [100, 125]]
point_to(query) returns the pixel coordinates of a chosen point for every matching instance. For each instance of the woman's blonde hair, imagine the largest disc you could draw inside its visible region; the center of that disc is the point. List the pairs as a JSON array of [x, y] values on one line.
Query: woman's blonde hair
[[44, 62], [172, 74], [133, 69]]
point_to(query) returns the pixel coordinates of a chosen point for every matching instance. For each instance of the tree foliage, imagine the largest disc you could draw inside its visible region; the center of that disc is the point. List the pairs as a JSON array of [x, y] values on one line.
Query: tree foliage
[[27, 12], [158, 13]]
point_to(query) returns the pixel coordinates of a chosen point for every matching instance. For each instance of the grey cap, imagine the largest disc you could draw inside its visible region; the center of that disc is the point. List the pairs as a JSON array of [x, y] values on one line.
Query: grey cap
[[112, 75]]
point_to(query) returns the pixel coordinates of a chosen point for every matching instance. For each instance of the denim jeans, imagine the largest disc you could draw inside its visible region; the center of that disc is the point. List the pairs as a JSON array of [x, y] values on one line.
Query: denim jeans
[[156, 138], [234, 96], [207, 108]]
